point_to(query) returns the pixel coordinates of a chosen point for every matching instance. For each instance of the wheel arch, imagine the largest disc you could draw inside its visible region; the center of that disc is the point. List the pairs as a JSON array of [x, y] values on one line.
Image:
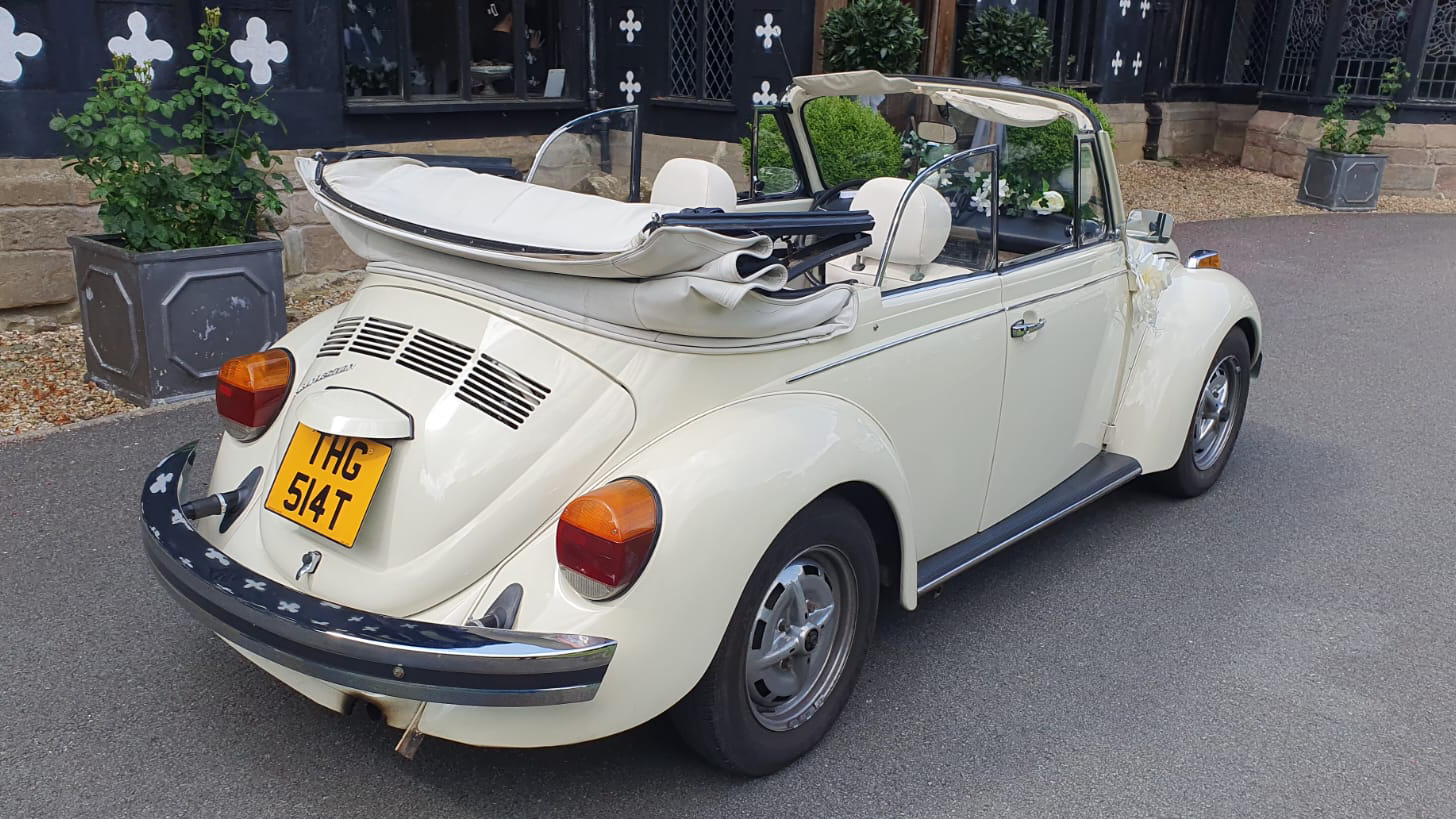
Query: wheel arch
[[1194, 315], [884, 525]]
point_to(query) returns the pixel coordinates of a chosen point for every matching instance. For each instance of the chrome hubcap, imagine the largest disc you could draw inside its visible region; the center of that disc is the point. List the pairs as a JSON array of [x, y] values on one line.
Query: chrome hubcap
[[1212, 420], [800, 638]]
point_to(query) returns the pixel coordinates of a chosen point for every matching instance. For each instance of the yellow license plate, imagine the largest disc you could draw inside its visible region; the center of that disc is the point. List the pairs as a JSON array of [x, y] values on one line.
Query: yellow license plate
[[326, 482]]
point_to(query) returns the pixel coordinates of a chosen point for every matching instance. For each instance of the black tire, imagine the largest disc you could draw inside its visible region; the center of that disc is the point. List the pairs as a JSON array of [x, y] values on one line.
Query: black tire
[[717, 718], [1197, 469]]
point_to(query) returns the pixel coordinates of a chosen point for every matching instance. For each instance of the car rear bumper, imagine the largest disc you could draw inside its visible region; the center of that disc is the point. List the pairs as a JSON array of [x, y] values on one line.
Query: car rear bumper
[[409, 659]]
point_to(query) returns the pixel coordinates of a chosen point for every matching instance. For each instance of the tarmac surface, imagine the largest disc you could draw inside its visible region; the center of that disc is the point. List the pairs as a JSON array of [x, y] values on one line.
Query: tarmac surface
[[1283, 646]]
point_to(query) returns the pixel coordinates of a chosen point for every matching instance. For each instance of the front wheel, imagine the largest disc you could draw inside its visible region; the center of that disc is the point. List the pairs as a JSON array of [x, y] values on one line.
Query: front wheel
[[794, 647], [1217, 416]]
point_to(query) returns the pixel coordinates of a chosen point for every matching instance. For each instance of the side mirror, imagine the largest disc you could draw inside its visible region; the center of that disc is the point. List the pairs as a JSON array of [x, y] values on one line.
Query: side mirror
[[1150, 226], [937, 132]]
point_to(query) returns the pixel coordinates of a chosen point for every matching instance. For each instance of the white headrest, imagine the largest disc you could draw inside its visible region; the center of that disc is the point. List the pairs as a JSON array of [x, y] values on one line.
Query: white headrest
[[694, 183], [924, 226]]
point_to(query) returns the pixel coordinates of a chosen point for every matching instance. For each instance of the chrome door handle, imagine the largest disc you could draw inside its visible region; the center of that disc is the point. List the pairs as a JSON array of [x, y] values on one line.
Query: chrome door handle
[[1021, 329]]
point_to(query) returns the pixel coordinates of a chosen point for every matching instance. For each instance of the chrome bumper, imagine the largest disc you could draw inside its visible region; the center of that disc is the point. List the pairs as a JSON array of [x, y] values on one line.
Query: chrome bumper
[[411, 659]]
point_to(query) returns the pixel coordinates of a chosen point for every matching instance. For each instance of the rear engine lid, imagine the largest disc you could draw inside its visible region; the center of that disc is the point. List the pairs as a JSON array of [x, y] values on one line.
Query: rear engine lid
[[506, 425]]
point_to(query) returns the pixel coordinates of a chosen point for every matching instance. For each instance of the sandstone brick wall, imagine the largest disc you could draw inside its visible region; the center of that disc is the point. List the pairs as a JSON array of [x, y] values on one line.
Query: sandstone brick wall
[[1188, 128], [1422, 157], [42, 203]]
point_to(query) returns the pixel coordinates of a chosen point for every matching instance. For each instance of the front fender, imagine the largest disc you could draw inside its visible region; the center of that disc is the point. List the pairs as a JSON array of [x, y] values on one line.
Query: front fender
[[728, 482], [1194, 314]]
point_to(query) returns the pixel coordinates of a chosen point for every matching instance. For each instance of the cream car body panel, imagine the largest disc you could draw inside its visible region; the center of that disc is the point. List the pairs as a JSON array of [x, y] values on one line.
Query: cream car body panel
[[1194, 314], [931, 413]]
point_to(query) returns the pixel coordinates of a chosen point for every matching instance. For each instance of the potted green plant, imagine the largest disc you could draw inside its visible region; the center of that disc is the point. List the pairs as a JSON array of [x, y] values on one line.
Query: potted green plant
[[180, 281], [1341, 174], [881, 35], [1008, 46]]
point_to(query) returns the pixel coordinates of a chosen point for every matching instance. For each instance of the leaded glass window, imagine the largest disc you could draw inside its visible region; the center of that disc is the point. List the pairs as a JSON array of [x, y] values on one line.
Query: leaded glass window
[[1376, 31], [1253, 24], [700, 49], [1437, 80], [1302, 45]]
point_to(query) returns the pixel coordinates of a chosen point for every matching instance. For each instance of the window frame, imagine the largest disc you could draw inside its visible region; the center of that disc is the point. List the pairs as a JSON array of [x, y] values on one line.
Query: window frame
[[781, 113], [925, 173], [407, 102], [1109, 232]]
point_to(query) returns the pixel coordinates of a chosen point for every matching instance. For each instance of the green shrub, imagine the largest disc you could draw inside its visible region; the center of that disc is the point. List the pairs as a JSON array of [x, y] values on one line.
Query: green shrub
[[883, 35], [1042, 152], [1337, 137], [850, 142], [999, 43], [213, 185]]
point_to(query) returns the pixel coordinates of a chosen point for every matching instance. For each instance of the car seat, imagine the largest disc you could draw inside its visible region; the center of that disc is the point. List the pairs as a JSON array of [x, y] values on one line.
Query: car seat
[[694, 183], [921, 236]]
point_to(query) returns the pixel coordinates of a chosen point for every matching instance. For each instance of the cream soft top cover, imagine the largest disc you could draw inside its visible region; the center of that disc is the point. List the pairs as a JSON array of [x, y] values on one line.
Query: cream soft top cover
[[605, 266]]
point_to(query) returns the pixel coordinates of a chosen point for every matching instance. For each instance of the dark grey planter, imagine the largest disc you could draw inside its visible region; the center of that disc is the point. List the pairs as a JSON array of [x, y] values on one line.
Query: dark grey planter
[[159, 325], [1341, 181]]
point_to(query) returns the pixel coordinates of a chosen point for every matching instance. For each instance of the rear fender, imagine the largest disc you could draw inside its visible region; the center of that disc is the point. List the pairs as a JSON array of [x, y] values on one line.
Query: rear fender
[[1194, 314], [728, 481], [236, 459]]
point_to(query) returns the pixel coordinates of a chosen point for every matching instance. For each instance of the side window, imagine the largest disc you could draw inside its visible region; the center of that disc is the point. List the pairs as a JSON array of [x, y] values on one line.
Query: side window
[[776, 174], [1092, 196], [1038, 201], [965, 183]]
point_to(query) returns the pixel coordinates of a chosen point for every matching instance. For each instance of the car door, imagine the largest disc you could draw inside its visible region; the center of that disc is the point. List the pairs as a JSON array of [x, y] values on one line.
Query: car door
[[1066, 324]]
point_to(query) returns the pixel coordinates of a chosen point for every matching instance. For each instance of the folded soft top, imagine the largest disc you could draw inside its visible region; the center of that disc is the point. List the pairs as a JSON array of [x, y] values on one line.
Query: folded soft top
[[700, 280]]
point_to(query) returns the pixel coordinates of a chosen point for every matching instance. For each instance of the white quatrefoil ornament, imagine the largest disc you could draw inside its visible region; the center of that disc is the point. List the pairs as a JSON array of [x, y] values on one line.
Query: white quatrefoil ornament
[[14, 45], [630, 86], [630, 26], [768, 31], [763, 96], [256, 49], [138, 45]]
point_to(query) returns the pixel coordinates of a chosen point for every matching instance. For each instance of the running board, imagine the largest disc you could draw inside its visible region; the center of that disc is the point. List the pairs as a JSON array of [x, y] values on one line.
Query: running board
[[1100, 476]]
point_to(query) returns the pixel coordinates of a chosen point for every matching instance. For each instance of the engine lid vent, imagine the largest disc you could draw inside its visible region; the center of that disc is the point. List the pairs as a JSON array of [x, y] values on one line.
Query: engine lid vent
[[435, 356], [488, 385], [501, 392]]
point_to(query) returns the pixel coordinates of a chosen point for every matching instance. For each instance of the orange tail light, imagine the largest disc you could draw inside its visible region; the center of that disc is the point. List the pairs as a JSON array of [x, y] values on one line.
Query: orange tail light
[[604, 537], [251, 389]]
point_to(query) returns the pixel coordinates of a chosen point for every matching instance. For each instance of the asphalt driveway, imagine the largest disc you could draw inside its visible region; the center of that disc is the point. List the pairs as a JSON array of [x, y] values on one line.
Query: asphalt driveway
[[1283, 646]]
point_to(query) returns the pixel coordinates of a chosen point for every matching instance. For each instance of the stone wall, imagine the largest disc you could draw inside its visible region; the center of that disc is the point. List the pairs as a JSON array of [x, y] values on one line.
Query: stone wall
[[1422, 157], [42, 203], [1188, 128]]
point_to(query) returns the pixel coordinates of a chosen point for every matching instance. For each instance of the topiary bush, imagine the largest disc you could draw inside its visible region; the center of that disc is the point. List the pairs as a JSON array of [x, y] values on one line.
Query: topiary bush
[[883, 35], [1001, 43], [1036, 156], [1048, 149], [850, 142]]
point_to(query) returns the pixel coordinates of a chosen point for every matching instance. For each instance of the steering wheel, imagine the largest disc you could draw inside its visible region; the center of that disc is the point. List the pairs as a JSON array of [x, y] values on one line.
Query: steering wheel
[[824, 197]]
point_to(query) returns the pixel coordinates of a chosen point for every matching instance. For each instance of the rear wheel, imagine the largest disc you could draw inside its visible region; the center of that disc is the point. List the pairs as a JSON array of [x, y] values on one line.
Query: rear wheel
[[1217, 417], [794, 647]]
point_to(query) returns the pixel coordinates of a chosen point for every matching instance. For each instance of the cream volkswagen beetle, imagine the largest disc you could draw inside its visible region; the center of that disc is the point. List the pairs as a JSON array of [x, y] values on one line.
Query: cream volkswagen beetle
[[565, 463]]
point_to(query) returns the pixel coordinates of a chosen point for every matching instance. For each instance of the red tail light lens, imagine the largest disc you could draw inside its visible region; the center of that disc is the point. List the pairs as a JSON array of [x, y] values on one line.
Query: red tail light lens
[[604, 537], [251, 389]]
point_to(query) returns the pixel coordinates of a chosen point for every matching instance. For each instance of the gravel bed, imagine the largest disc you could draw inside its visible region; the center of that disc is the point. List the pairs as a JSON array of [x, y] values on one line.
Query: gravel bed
[[1212, 186], [41, 372]]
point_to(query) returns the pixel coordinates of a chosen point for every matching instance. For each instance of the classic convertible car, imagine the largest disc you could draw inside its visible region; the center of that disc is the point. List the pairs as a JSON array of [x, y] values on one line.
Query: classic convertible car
[[565, 463]]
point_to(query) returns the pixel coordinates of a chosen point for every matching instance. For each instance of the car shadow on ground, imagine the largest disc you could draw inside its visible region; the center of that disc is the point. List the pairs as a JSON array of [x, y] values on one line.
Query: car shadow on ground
[[1031, 634]]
